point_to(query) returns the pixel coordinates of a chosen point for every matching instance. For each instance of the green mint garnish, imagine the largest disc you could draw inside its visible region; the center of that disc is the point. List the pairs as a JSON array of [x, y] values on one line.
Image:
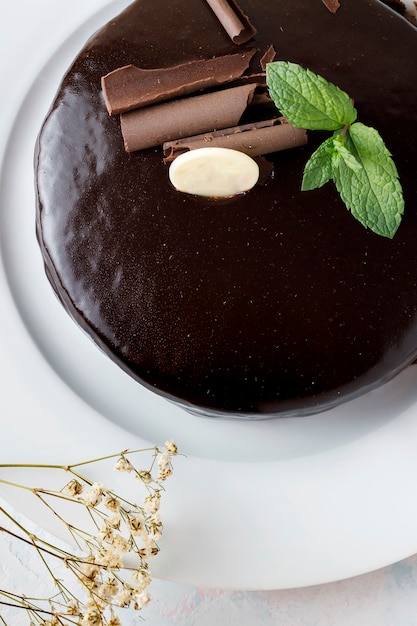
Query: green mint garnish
[[354, 157]]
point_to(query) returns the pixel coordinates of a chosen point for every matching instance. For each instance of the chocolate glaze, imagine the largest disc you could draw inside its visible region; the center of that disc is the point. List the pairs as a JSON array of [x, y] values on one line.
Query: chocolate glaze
[[273, 302]]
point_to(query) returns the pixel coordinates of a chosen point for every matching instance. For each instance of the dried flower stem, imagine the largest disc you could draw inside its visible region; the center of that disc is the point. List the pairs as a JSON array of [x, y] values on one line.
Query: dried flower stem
[[116, 527]]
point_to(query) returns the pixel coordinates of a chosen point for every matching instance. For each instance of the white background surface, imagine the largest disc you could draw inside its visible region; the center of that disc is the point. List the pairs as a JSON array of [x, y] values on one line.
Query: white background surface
[[385, 597]]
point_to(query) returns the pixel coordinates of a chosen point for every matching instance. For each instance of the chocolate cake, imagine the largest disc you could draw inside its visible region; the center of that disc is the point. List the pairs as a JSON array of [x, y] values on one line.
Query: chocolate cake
[[273, 302]]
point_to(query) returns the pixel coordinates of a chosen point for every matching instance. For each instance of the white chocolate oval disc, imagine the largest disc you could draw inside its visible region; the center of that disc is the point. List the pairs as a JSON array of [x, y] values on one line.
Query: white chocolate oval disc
[[214, 172]]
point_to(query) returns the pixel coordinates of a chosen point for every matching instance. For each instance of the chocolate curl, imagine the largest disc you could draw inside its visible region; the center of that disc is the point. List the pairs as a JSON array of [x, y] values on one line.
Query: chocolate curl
[[132, 87], [254, 139], [268, 57], [332, 5], [233, 20], [151, 126]]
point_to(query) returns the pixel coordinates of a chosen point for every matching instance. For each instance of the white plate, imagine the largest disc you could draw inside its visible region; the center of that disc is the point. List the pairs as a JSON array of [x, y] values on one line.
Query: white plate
[[274, 504]]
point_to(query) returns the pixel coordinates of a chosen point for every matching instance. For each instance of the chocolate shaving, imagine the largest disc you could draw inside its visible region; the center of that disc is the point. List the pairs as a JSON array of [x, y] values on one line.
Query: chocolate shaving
[[254, 139], [268, 57], [151, 126], [132, 87], [233, 20], [262, 99], [332, 5], [259, 78]]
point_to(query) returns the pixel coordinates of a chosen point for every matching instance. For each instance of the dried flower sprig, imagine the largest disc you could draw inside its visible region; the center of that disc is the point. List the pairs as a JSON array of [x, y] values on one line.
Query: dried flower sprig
[[109, 566]]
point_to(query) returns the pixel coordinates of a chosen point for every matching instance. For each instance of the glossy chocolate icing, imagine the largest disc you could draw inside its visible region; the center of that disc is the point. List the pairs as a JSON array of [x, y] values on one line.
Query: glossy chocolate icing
[[274, 302]]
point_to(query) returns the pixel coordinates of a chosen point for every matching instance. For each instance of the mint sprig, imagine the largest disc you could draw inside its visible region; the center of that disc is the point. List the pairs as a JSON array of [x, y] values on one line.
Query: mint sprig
[[354, 157]]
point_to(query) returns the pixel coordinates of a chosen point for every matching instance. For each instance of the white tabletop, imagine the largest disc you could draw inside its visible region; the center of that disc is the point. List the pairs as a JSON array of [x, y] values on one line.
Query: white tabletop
[[386, 597]]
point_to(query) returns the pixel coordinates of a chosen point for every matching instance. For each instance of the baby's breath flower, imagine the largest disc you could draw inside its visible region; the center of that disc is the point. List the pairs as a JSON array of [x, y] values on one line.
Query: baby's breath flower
[[92, 498], [124, 465], [110, 558], [105, 533], [171, 447], [92, 617], [73, 608], [141, 599], [136, 523], [115, 621], [108, 589], [124, 598], [163, 474], [73, 488], [149, 549], [164, 460], [141, 579], [145, 476], [120, 543], [89, 570], [151, 503], [154, 527], [155, 519], [114, 521], [94, 495], [155, 533], [112, 503], [91, 584]]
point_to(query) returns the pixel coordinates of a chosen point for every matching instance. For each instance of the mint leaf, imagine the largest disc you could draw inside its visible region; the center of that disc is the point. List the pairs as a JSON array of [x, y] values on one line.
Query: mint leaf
[[319, 170], [341, 153], [306, 99], [322, 163], [373, 192], [355, 157]]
